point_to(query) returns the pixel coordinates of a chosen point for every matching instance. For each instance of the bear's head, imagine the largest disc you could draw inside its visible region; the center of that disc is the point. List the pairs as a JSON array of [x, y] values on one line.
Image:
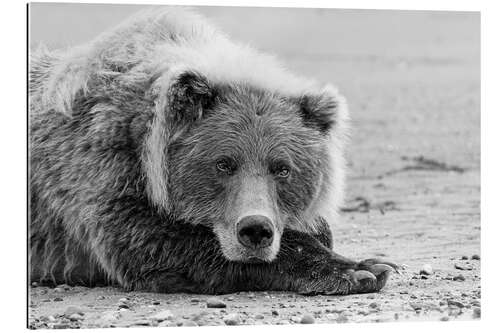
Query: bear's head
[[248, 162]]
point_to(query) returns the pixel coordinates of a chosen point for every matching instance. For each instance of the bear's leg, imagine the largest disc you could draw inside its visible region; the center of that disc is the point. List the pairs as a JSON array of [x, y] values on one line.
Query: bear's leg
[[143, 251]]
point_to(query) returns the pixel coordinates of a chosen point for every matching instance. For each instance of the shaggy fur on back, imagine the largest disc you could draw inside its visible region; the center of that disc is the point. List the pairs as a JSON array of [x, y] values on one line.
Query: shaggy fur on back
[[142, 56], [115, 94]]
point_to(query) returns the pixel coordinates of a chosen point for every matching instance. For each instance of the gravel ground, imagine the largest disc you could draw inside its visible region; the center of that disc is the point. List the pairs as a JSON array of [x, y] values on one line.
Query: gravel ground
[[412, 80]]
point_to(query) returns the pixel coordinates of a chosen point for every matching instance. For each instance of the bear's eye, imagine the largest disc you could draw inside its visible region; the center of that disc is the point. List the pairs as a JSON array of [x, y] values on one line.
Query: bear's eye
[[225, 165], [282, 171]]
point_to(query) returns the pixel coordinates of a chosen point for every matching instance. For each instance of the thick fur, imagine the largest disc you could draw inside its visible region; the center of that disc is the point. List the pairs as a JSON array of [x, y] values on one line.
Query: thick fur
[[124, 132]]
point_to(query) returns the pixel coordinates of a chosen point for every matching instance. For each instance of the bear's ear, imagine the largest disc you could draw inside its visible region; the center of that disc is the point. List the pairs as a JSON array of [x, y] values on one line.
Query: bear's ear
[[191, 96], [322, 110]]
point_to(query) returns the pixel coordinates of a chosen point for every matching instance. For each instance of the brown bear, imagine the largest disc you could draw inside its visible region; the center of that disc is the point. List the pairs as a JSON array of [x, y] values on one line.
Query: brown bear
[[166, 157]]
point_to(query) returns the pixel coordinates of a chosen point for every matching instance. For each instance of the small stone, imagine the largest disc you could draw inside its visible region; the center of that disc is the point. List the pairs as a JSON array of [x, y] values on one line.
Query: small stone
[[232, 319], [195, 300], [342, 319], [296, 319], [163, 315], [156, 303], [123, 306], [455, 303], [259, 316], [374, 305], [75, 317], [476, 257], [58, 299], [476, 313], [100, 298], [463, 267], [459, 277], [34, 284], [59, 290], [51, 319], [416, 306], [142, 322], [72, 310], [307, 319], [445, 318], [61, 325], [465, 258], [426, 270], [215, 303]]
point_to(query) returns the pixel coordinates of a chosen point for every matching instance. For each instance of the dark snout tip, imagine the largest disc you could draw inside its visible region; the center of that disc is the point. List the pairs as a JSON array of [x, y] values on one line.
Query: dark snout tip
[[255, 231]]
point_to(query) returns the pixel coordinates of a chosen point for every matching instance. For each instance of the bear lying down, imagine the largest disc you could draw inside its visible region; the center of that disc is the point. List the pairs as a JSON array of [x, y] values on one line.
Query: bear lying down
[[165, 157]]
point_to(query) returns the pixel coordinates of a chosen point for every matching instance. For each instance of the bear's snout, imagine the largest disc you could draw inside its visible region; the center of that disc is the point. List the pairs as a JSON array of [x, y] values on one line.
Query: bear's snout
[[255, 231]]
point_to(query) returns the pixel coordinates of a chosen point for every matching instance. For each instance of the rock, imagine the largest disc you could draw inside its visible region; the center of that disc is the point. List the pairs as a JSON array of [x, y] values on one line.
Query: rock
[[445, 318], [426, 270], [215, 303], [296, 319], [123, 306], [274, 313], [34, 284], [459, 277], [476, 257], [51, 319], [163, 315], [374, 305], [58, 290], [188, 323], [156, 302], [167, 323], [463, 267], [307, 319], [416, 306], [142, 322], [61, 325], [455, 303], [232, 319], [194, 300], [75, 317], [476, 313], [259, 316], [58, 299], [72, 310], [465, 258]]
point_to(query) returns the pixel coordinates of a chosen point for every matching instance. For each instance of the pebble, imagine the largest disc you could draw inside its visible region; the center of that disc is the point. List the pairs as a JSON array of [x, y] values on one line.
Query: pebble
[[459, 277], [274, 313], [163, 315], [296, 319], [342, 319], [455, 303], [476, 313], [75, 317], [445, 318], [465, 258], [58, 290], [259, 316], [476, 257], [232, 319], [215, 303], [463, 267], [416, 306], [142, 322], [307, 319], [58, 299], [61, 325], [72, 310], [374, 305], [426, 270]]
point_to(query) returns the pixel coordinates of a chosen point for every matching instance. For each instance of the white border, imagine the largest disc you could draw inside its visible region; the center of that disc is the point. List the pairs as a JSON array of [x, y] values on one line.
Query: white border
[[13, 131]]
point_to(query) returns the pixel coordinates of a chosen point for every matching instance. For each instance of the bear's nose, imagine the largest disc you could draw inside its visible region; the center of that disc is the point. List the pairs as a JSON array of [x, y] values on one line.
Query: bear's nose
[[255, 231]]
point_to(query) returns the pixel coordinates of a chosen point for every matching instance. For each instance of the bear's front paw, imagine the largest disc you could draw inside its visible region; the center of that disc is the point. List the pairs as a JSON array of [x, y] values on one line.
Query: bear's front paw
[[367, 276], [371, 275]]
